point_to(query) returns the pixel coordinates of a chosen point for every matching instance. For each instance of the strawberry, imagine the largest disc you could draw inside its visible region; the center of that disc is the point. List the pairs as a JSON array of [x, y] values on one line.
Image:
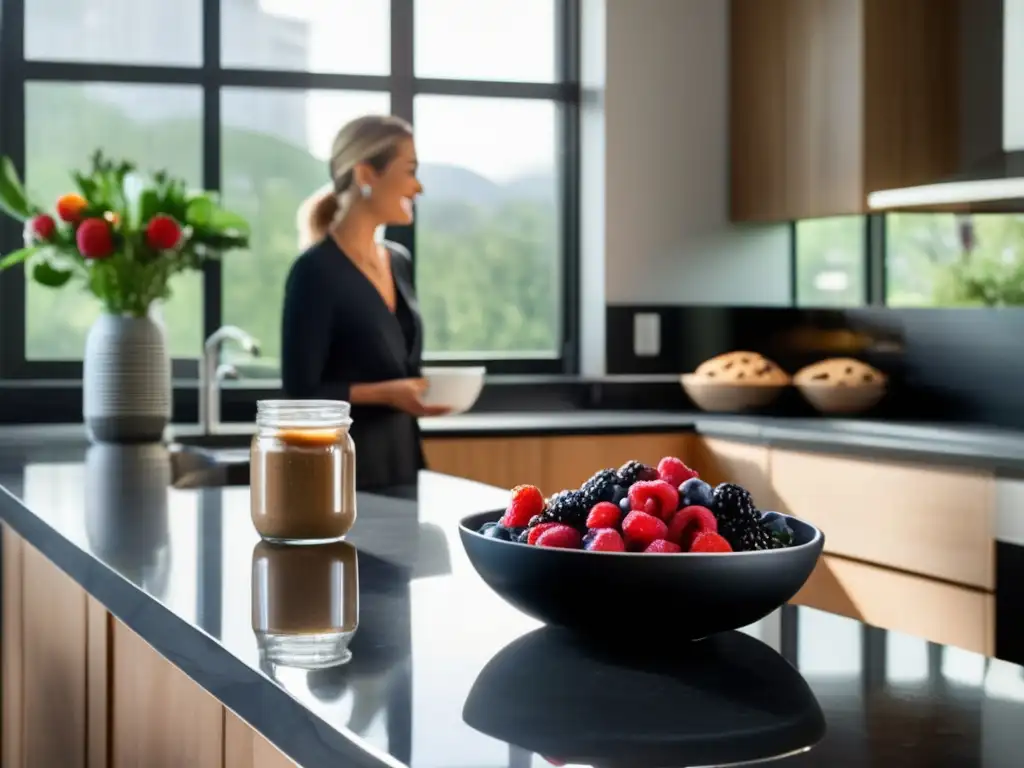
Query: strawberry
[[526, 501], [604, 540], [560, 536], [709, 542], [688, 522], [655, 497], [663, 547], [604, 514], [640, 529], [674, 472], [536, 530]]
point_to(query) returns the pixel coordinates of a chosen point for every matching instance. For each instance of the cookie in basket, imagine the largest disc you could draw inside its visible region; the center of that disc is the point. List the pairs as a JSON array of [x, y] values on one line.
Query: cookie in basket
[[741, 368], [840, 372]]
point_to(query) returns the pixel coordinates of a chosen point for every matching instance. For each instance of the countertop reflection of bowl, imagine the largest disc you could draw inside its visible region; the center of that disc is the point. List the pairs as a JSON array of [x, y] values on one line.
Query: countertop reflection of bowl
[[726, 701], [457, 388]]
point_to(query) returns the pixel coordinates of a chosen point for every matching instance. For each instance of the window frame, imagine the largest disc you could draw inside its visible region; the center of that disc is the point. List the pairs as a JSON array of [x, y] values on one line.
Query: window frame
[[402, 85], [873, 256]]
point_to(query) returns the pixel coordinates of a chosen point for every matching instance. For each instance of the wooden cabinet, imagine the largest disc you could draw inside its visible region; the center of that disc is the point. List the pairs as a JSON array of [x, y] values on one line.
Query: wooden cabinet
[[81, 690], [833, 99], [933, 521], [552, 463], [940, 612]]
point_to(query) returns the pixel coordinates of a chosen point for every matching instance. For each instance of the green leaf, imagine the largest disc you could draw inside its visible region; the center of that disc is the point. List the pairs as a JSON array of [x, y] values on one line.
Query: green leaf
[[149, 205], [49, 276], [224, 220], [18, 257], [12, 195], [199, 211]]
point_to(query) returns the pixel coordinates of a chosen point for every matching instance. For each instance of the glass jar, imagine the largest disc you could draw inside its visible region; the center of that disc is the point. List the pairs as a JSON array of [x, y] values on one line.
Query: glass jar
[[305, 603], [302, 471]]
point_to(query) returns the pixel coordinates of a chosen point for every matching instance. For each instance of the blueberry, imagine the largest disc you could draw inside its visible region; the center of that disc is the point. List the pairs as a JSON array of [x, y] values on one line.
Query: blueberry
[[767, 517], [624, 505], [695, 492], [495, 531], [618, 494], [778, 524]]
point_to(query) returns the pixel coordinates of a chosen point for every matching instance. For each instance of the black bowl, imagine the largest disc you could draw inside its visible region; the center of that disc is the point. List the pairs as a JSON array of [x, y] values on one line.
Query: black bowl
[[687, 595], [728, 700]]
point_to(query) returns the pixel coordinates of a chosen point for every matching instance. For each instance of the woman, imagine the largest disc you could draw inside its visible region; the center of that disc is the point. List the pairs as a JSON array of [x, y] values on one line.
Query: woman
[[351, 328]]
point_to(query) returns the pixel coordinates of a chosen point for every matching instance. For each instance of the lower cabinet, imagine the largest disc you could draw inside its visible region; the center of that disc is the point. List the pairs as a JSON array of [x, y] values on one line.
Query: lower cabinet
[[81, 690], [551, 463]]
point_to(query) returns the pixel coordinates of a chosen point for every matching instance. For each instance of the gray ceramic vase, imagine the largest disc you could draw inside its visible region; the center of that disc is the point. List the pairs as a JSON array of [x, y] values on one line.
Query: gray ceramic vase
[[126, 387]]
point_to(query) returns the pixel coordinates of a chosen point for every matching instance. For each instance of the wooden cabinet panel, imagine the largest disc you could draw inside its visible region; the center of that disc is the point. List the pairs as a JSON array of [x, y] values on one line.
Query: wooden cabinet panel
[[833, 99], [160, 717], [723, 461], [553, 463], [569, 461], [935, 521], [13, 643], [884, 599], [503, 462], [245, 748]]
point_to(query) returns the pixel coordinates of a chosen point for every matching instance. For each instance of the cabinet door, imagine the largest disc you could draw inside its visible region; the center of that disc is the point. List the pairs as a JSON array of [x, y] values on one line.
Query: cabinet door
[[569, 461], [500, 461], [934, 521], [724, 461]]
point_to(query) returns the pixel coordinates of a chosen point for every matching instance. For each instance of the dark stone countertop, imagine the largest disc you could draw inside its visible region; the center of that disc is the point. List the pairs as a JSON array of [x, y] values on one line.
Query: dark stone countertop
[[950, 443], [443, 673]]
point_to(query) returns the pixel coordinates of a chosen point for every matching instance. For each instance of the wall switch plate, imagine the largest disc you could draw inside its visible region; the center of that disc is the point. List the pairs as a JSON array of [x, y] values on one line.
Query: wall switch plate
[[646, 334]]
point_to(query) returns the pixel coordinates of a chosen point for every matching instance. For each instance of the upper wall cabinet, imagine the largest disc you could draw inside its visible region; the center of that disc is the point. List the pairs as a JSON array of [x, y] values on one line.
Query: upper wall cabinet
[[832, 99]]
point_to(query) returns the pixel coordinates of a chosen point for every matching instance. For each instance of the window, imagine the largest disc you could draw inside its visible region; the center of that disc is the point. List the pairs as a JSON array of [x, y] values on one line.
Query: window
[[275, 149], [512, 40], [830, 269], [307, 35], [152, 124], [487, 235], [949, 260], [245, 96], [145, 31]]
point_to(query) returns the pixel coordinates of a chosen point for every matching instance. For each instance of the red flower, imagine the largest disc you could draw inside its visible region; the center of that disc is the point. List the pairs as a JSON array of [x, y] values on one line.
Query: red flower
[[41, 228], [162, 233], [94, 238]]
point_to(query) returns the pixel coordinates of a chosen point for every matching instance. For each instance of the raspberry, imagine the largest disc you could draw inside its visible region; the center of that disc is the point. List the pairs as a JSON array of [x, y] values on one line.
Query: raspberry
[[688, 522], [655, 497], [526, 501], [604, 540], [535, 532], [709, 542], [604, 515], [560, 536], [663, 547], [674, 472], [640, 528]]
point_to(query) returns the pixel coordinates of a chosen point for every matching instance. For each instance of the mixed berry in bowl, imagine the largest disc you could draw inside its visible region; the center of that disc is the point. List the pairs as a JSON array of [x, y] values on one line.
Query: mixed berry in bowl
[[639, 508]]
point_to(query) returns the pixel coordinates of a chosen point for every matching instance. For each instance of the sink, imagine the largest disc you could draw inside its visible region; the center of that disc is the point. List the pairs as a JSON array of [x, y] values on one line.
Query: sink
[[194, 466]]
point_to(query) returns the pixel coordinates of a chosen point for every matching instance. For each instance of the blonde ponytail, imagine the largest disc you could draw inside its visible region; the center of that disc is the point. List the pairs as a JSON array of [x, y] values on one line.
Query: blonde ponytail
[[316, 215]]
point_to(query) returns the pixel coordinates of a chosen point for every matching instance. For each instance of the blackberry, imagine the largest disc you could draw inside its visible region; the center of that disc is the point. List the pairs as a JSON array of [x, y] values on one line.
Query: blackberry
[[568, 507], [601, 487], [739, 521], [632, 471]]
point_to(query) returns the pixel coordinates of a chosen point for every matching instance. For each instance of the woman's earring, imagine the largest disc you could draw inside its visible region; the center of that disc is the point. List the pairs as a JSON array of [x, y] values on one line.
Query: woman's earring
[[365, 191]]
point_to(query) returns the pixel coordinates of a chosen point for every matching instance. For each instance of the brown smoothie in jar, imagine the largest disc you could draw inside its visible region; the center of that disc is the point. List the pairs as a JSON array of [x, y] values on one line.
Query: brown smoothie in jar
[[305, 590], [302, 484]]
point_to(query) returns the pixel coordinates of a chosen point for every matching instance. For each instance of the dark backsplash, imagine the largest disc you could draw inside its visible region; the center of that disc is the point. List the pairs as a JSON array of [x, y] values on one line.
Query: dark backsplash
[[944, 364]]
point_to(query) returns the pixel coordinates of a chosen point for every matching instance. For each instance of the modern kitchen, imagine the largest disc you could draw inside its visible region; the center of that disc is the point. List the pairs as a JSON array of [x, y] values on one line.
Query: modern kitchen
[[721, 445]]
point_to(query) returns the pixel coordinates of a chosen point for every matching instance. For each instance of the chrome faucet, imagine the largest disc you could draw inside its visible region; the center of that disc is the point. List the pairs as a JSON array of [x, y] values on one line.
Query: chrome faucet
[[212, 372]]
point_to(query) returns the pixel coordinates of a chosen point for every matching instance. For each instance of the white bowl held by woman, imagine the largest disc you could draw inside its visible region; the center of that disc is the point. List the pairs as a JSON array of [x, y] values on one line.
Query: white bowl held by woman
[[457, 388]]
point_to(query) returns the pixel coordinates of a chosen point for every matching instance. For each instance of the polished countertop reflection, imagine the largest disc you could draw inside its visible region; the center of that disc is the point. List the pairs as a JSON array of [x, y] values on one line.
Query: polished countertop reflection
[[440, 672]]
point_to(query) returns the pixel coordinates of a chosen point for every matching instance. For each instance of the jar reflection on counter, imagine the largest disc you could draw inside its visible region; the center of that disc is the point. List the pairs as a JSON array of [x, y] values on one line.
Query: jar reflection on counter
[[302, 471], [305, 603]]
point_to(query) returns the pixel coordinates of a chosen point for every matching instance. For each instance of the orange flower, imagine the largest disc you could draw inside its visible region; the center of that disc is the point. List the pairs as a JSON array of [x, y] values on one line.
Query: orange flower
[[70, 206]]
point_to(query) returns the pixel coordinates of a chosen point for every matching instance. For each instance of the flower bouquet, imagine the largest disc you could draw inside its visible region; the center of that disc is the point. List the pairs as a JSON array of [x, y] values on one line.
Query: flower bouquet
[[123, 236]]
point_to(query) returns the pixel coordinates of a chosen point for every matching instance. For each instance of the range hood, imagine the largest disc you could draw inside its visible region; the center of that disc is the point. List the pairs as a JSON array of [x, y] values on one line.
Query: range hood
[[990, 97]]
